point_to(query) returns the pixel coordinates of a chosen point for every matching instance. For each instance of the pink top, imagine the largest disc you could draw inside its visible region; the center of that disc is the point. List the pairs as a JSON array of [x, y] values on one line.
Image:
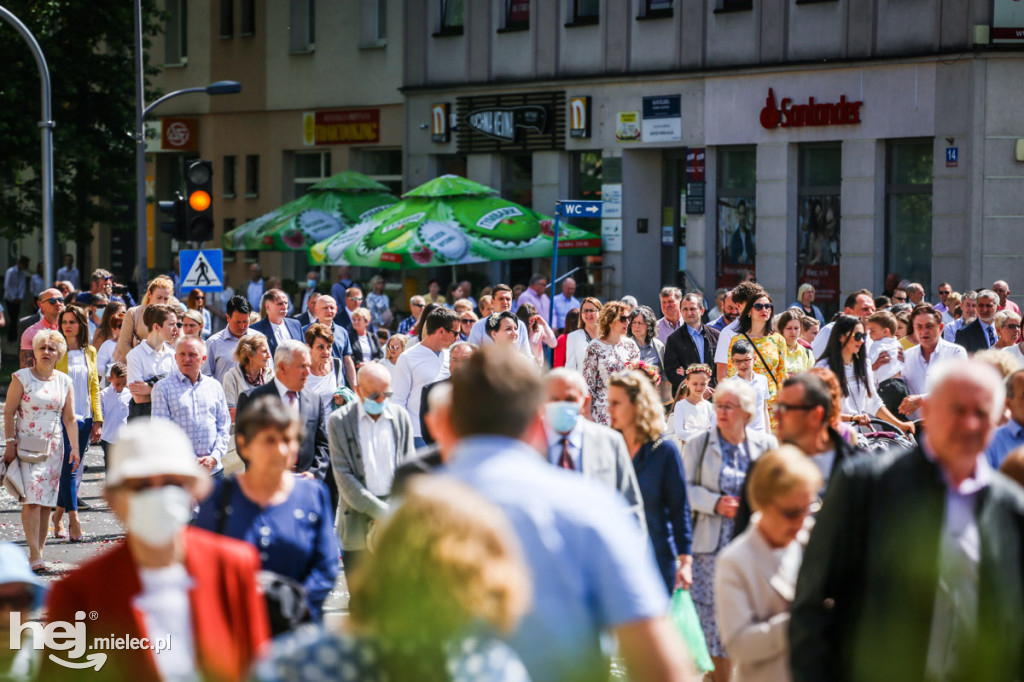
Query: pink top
[[30, 333]]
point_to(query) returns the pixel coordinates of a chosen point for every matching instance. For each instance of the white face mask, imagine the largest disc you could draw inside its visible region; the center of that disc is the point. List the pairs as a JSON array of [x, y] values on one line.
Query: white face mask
[[157, 515]]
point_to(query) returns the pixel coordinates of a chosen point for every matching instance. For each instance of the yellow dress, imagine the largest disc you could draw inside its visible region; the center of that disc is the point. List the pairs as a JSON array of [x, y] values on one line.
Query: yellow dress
[[773, 350], [799, 360]]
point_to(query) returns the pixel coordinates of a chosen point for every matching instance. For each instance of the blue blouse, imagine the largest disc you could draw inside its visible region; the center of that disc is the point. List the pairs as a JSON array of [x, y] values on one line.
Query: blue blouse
[[659, 472], [294, 538]]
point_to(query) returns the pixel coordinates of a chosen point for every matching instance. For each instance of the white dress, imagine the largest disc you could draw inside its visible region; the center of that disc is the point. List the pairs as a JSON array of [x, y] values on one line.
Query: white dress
[[39, 415], [688, 419]]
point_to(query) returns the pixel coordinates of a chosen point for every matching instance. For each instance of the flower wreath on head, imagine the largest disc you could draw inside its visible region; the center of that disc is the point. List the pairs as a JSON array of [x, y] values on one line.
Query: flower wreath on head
[[650, 371], [697, 367]]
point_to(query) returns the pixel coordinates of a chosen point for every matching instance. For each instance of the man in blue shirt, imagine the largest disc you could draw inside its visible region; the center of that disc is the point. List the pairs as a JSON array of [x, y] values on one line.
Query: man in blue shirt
[[593, 572], [1010, 435]]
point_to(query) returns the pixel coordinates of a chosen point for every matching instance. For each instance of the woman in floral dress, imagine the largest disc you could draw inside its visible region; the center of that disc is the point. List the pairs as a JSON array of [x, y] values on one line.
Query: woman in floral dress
[[39, 399], [608, 354], [756, 326]]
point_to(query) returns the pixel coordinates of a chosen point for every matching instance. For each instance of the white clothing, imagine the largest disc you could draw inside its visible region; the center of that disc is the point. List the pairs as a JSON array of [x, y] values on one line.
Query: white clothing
[[390, 367], [78, 370], [724, 339], [759, 383], [115, 411], [364, 346], [1014, 352], [478, 335], [280, 333], [105, 358], [417, 367], [324, 387], [688, 419], [915, 369], [166, 612], [858, 401], [576, 349], [821, 341], [145, 363], [891, 369], [379, 451]]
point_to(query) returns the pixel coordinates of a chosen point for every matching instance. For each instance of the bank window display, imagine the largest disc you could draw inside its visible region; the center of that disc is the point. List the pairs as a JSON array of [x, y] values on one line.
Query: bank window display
[[736, 233], [175, 32], [818, 223], [517, 14], [310, 168], [384, 166], [908, 214], [517, 179]]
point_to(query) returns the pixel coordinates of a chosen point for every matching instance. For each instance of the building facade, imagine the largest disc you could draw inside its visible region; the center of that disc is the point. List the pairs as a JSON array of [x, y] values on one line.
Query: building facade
[[829, 141]]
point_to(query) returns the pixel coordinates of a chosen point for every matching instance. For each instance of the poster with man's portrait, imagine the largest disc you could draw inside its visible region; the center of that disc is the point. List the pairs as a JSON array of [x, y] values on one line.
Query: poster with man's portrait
[[736, 241]]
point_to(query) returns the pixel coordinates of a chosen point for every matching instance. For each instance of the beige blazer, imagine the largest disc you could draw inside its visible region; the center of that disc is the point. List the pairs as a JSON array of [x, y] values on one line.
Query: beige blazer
[[132, 332], [754, 587]]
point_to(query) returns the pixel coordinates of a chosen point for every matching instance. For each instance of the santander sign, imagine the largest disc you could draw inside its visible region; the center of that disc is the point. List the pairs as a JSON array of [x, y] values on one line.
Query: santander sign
[[789, 115]]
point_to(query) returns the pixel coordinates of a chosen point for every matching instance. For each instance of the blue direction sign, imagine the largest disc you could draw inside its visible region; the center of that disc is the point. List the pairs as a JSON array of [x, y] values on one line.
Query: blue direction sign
[[203, 270], [569, 208]]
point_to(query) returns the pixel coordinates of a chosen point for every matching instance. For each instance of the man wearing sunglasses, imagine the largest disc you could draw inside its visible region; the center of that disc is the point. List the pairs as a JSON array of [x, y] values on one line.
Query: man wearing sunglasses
[[369, 439], [101, 282], [859, 304], [51, 305]]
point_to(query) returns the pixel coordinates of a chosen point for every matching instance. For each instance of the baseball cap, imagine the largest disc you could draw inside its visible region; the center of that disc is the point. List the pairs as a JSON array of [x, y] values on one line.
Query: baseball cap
[[14, 568], [151, 446]]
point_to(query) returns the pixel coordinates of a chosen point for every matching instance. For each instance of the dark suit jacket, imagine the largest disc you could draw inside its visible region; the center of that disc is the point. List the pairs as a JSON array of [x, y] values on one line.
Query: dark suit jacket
[[304, 319], [342, 318], [26, 322], [314, 454], [681, 352], [293, 328], [866, 591], [357, 352], [844, 451], [425, 407], [972, 337]]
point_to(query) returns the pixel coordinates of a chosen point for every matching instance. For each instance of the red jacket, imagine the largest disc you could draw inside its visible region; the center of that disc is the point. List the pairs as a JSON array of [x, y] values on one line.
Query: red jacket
[[229, 615]]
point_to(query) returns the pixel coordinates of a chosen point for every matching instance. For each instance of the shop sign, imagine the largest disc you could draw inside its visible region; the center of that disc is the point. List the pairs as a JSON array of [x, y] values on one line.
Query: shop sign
[[440, 131], [353, 126], [695, 164], [1007, 21], [695, 198], [663, 119], [579, 117], [611, 234], [789, 115], [627, 126], [525, 122], [179, 134], [503, 123]]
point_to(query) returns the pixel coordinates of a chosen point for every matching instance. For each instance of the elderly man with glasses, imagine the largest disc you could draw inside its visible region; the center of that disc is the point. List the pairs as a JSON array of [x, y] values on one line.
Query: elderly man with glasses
[[51, 305]]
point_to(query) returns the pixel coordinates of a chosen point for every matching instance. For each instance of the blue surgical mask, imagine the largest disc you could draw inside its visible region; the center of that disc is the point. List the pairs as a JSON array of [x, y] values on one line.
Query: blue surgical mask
[[374, 408], [310, 283], [562, 416]]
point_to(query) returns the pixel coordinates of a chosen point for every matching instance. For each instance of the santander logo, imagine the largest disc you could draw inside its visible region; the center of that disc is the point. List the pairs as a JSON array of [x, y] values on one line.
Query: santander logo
[[789, 115]]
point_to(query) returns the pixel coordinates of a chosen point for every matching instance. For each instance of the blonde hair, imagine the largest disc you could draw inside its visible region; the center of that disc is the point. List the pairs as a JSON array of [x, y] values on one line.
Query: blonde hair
[[1004, 316], [1002, 362], [161, 282], [650, 415], [445, 559], [778, 473], [247, 347], [610, 312], [44, 335], [361, 312], [695, 368]]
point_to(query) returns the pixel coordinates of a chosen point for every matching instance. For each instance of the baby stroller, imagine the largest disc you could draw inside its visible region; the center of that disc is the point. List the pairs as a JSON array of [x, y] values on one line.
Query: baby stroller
[[880, 436]]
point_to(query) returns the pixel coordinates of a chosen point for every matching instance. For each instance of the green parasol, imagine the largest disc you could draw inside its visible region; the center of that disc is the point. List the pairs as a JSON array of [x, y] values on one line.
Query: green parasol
[[330, 206], [450, 221]]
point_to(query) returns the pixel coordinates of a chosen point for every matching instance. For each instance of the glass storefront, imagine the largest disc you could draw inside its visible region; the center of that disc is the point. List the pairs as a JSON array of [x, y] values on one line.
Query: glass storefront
[[736, 216], [818, 223], [908, 211]]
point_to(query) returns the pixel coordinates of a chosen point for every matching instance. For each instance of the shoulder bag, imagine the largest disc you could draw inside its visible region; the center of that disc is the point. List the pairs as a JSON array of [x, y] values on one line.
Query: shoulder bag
[[767, 368]]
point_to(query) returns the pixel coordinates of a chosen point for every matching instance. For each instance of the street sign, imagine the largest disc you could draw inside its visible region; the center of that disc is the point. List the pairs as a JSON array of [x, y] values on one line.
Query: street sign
[[569, 208], [203, 270], [952, 157]]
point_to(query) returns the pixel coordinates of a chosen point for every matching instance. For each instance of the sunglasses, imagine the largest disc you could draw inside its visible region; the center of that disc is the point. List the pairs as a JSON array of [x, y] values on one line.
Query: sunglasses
[[859, 336], [51, 301], [179, 325], [794, 514], [946, 293], [762, 306], [355, 298], [899, 299], [783, 408], [624, 319], [377, 396], [1015, 327], [417, 305], [468, 321], [108, 279], [395, 348]]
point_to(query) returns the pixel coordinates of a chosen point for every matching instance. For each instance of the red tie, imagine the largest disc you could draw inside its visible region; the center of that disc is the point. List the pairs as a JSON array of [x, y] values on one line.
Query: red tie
[[565, 461], [291, 395]]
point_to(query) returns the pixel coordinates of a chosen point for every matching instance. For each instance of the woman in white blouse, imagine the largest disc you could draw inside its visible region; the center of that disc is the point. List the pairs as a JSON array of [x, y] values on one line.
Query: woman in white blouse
[[365, 346], [395, 347], [106, 336], [846, 356], [576, 343], [324, 370]]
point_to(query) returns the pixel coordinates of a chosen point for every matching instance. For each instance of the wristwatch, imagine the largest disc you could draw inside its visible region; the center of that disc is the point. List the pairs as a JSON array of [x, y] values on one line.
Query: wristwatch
[[11, 440]]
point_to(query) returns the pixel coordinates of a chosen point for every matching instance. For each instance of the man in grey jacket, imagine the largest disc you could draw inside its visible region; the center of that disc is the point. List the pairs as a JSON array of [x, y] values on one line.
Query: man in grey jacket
[[368, 439], [596, 451]]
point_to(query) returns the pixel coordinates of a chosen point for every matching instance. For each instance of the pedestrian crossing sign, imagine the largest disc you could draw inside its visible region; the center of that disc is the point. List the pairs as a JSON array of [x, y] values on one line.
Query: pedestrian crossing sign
[[203, 270]]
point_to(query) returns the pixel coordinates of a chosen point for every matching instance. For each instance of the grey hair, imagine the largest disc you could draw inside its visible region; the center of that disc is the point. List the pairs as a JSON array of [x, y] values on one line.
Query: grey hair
[[916, 288], [674, 292], [972, 295], [472, 346], [287, 350], [743, 392], [440, 396], [191, 339], [629, 300], [988, 293], [980, 373], [569, 376], [1004, 316]]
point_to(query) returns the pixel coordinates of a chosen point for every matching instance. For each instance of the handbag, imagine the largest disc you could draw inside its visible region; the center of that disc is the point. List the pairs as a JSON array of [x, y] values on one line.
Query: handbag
[[33, 449], [684, 617], [13, 480]]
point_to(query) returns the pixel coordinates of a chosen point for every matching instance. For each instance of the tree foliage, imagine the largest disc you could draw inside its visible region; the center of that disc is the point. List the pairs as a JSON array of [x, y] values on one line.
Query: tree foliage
[[90, 50]]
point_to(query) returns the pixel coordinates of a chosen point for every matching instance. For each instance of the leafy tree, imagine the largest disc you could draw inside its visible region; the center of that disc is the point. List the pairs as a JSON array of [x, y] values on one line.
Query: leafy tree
[[90, 49]]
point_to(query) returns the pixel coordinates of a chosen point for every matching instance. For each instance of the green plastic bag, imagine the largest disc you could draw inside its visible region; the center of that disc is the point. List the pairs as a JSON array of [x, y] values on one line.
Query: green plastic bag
[[684, 616]]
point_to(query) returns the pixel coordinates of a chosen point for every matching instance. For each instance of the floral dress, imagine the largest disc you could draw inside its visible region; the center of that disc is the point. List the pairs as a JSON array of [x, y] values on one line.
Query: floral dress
[[39, 415], [378, 305], [601, 362], [773, 350]]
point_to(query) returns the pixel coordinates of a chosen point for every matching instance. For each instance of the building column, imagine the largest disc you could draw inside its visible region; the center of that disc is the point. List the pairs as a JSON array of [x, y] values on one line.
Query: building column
[[776, 220], [862, 217], [638, 266]]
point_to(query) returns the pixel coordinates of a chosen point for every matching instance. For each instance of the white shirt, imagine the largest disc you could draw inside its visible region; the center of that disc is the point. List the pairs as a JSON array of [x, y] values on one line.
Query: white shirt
[[324, 387], [390, 367], [891, 369], [760, 385], [821, 341], [78, 370], [166, 612], [280, 333], [576, 349], [1014, 352], [283, 391], [145, 363], [104, 358], [478, 335], [858, 401], [115, 411], [688, 419], [364, 347], [724, 339], [916, 370], [377, 444], [417, 367]]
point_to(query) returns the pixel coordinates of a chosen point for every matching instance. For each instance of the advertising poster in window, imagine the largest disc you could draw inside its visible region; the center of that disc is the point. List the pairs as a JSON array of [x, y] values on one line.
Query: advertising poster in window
[[818, 249], [737, 240]]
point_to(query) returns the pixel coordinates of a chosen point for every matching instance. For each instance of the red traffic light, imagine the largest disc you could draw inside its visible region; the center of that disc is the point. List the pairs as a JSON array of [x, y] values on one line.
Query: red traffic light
[[199, 200]]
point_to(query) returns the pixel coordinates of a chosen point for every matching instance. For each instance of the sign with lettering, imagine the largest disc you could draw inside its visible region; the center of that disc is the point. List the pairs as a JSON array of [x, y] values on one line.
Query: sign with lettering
[[627, 126], [579, 117], [534, 121], [352, 126], [695, 164], [1007, 21], [786, 114], [503, 124], [440, 131], [179, 134], [570, 208], [663, 119]]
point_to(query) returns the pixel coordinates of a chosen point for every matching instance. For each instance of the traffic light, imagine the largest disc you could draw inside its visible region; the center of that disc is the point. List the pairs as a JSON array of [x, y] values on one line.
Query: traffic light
[[199, 198], [175, 210]]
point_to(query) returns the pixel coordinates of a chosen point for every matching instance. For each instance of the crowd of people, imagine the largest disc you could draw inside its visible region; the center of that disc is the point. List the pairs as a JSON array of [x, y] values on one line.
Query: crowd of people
[[511, 498]]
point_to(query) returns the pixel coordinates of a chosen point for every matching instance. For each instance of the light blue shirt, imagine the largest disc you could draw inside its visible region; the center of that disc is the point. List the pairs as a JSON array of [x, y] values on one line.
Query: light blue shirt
[[562, 307], [220, 352], [200, 409], [698, 340], [591, 567], [1007, 438], [575, 445]]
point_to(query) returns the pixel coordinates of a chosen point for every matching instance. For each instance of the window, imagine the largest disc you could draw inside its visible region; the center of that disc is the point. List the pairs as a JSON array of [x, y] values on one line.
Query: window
[[452, 17], [517, 14], [176, 32], [228, 225], [451, 164], [252, 175], [229, 176], [818, 221], [302, 34], [248, 26], [517, 178], [585, 11], [384, 166], [736, 234], [650, 9], [310, 168], [227, 18], [372, 23], [734, 5], [908, 211], [585, 183]]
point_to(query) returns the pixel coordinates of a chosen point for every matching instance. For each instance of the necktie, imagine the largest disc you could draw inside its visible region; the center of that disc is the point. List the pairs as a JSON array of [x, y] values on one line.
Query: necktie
[[291, 395], [991, 336], [565, 461]]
